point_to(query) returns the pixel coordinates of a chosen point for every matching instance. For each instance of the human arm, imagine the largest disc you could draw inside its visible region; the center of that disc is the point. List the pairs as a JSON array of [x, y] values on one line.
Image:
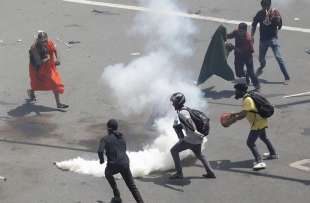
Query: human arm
[[101, 151], [254, 25], [187, 121]]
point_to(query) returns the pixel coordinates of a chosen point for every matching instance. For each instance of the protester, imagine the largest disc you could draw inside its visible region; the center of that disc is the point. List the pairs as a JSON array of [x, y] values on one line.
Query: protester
[[257, 122], [244, 53], [114, 146], [192, 139], [42, 69], [270, 22]]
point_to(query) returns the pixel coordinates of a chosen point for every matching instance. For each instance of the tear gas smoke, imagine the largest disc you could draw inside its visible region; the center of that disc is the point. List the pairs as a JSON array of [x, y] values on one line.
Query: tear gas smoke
[[149, 81]]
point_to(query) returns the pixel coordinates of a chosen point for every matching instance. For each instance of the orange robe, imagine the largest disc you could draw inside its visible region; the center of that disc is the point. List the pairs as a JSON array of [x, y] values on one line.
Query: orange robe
[[47, 77]]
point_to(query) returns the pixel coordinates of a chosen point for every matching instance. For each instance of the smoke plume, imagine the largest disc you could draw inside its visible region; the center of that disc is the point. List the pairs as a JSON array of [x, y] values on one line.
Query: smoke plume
[[148, 81]]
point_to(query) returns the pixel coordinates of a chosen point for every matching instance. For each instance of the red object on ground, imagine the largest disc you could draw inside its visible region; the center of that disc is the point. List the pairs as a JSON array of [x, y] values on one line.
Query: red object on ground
[[47, 77]]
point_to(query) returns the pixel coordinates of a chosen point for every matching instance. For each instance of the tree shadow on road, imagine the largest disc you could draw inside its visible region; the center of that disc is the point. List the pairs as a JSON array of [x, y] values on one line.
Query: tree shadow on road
[[29, 107], [236, 167]]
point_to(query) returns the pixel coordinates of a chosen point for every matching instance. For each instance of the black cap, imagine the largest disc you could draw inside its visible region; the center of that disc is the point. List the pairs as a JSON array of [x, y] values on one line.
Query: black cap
[[112, 124], [242, 26], [241, 86]]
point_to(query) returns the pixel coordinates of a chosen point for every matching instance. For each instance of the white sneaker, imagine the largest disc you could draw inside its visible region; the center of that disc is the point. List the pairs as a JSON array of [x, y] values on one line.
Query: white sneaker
[[259, 166], [286, 82], [267, 156]]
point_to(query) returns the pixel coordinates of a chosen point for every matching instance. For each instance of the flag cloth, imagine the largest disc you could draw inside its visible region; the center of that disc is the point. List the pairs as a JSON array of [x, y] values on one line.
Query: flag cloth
[[215, 61]]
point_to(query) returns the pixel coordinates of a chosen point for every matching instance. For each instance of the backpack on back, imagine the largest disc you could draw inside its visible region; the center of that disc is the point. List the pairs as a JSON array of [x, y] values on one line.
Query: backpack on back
[[263, 106], [201, 121]]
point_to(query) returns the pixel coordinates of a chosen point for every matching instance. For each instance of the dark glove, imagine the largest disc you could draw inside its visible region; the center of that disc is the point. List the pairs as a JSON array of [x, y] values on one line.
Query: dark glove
[[101, 158]]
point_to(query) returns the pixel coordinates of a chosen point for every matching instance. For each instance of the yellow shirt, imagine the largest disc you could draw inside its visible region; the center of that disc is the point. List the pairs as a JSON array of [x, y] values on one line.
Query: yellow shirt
[[255, 120]]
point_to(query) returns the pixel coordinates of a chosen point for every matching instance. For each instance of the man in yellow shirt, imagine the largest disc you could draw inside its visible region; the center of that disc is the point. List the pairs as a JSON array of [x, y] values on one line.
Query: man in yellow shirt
[[258, 126]]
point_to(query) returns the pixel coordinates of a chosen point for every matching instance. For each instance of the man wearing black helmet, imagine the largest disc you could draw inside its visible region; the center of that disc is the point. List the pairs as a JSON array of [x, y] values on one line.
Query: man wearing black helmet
[[270, 22], [258, 126], [192, 140], [114, 147]]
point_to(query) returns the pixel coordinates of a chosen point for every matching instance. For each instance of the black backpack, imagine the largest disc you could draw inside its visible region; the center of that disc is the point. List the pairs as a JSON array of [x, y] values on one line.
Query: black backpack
[[263, 106], [201, 121]]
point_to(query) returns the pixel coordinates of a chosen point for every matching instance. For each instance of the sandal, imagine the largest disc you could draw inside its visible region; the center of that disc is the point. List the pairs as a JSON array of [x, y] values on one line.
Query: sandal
[[62, 106], [31, 95]]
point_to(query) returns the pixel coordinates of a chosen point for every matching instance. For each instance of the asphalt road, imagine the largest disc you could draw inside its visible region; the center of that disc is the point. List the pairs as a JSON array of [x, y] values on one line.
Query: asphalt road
[[33, 136]]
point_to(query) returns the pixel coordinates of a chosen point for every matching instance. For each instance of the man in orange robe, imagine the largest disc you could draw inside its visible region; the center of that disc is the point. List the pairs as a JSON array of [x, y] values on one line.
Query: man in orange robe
[[42, 69]]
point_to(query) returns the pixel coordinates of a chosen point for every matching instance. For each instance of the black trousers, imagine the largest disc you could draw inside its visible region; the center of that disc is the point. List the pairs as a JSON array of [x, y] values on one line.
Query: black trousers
[[261, 134], [240, 61], [196, 148], [127, 176]]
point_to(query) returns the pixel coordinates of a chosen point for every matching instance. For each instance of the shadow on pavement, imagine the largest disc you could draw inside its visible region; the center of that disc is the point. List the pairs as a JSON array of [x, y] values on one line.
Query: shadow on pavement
[[269, 82], [280, 106], [28, 107], [210, 93], [164, 181], [236, 167]]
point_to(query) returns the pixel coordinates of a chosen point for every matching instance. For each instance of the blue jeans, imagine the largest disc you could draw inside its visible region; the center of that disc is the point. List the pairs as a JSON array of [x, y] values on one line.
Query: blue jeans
[[274, 44]]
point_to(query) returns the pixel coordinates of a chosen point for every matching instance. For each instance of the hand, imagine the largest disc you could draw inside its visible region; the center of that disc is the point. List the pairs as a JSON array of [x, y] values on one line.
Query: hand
[[199, 134], [252, 38], [46, 59], [175, 122], [57, 63], [229, 46]]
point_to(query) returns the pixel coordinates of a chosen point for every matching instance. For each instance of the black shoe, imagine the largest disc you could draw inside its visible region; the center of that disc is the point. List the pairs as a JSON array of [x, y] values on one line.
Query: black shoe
[[209, 175], [176, 176], [257, 88], [62, 106], [247, 79], [31, 95], [116, 200], [259, 71]]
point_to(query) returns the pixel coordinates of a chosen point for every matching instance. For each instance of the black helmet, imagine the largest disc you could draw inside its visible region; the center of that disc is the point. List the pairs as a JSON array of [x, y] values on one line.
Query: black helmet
[[178, 100], [112, 125]]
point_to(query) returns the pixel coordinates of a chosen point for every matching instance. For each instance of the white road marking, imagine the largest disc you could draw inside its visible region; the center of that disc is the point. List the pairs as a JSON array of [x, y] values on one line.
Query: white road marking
[[300, 165], [297, 95], [176, 13]]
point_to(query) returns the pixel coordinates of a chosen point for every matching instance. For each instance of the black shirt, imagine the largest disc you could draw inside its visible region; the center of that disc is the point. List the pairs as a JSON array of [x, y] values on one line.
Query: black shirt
[[114, 147], [270, 22]]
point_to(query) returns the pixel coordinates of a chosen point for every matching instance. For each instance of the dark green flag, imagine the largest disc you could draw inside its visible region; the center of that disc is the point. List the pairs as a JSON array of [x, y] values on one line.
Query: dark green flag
[[215, 61]]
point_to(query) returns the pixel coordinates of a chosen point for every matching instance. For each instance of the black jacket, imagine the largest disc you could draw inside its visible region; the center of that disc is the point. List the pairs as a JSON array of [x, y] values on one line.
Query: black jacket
[[114, 146]]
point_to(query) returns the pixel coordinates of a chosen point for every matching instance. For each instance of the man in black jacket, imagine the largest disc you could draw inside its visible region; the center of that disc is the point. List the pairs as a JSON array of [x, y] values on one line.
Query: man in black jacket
[[270, 22], [114, 147]]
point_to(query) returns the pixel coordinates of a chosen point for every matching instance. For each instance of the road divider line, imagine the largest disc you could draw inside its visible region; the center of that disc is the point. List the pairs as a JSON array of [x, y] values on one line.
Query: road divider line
[[176, 13]]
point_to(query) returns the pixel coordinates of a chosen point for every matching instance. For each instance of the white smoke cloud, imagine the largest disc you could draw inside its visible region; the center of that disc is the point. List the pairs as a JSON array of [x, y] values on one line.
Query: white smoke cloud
[[148, 81], [155, 157]]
